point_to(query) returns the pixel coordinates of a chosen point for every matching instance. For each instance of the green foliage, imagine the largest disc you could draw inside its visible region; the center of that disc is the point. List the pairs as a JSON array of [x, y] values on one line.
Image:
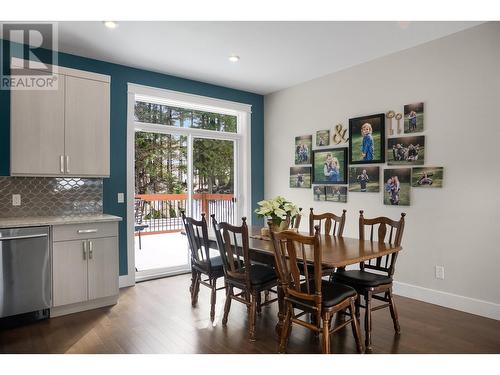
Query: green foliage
[[161, 159]]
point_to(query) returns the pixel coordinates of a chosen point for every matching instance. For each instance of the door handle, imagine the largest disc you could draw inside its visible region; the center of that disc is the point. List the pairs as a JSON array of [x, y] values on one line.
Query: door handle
[[83, 231], [67, 163], [91, 249], [22, 237], [61, 164], [84, 243]]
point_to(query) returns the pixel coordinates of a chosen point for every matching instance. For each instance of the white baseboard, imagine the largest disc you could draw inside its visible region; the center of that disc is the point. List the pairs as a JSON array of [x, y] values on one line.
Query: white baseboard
[[126, 280], [453, 301]]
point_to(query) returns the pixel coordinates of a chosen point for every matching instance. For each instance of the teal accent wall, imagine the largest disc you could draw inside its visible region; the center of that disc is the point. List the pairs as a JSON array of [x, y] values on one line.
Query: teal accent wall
[[120, 76]]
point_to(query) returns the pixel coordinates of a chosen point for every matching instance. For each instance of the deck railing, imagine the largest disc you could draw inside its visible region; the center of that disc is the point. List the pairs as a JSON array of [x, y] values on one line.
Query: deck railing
[[162, 212]]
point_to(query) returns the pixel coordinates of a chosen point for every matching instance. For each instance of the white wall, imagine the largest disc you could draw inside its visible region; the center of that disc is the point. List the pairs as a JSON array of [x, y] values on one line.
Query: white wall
[[458, 226]]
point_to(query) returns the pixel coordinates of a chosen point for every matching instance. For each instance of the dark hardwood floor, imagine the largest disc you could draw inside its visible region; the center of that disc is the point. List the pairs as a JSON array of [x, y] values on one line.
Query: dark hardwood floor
[[156, 317]]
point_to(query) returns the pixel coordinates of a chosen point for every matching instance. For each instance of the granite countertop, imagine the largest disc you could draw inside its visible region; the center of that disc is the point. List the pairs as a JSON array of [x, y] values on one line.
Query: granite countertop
[[33, 221]]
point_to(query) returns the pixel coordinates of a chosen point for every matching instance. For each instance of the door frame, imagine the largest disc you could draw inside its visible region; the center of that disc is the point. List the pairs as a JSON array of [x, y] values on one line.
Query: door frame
[[197, 102]]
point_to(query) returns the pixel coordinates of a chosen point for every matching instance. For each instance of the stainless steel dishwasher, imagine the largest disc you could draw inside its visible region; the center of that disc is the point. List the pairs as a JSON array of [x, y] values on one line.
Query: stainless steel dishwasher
[[25, 273]]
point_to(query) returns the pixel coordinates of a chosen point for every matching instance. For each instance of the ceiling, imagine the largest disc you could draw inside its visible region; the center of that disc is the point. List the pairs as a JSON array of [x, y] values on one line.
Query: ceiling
[[274, 55]]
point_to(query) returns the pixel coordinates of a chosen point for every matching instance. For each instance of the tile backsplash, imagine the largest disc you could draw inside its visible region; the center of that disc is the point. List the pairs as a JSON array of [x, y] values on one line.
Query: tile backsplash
[[50, 196]]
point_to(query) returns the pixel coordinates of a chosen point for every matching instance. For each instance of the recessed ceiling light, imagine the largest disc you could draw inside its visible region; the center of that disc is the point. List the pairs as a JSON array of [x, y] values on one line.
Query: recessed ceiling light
[[234, 58], [111, 24]]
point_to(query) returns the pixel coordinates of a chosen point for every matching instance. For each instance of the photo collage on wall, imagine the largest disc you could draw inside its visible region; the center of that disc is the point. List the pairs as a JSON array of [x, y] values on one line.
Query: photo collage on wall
[[343, 159]]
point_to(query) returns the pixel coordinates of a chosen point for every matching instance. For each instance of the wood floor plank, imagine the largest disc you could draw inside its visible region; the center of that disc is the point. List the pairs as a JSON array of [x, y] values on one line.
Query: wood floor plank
[[157, 317]]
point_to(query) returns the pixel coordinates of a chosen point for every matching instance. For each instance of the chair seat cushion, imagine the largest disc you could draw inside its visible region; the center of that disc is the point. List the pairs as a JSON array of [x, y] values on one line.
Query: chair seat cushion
[[332, 293], [217, 267], [361, 278], [260, 274]]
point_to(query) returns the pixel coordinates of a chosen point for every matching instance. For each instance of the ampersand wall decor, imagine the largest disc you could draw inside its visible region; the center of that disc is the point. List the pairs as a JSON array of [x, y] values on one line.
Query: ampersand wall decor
[[340, 135]]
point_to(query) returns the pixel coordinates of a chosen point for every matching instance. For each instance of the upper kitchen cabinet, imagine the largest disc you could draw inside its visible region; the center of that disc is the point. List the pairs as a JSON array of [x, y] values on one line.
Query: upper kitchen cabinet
[[63, 132], [87, 127], [37, 131]]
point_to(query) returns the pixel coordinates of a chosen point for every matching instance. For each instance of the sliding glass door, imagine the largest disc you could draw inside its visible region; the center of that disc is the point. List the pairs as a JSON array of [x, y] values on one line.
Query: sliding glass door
[[185, 160]]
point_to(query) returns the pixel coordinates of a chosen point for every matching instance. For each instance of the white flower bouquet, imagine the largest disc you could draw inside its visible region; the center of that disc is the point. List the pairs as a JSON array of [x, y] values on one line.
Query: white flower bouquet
[[279, 210]]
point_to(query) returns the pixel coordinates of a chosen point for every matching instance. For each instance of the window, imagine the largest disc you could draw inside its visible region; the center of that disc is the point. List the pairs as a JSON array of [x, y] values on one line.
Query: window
[[153, 113]]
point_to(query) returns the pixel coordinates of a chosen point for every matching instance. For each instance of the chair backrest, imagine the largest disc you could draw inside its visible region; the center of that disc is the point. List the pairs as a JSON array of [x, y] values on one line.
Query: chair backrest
[[232, 242], [138, 210], [197, 234], [338, 223], [385, 263], [295, 222], [290, 257]]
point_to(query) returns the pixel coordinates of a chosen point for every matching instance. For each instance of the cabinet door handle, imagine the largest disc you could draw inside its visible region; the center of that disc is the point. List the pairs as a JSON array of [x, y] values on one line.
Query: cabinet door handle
[[61, 164], [91, 248], [67, 163], [84, 244], [83, 231]]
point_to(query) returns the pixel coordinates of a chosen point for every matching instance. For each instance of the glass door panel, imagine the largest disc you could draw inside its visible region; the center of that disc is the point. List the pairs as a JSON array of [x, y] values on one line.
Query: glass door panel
[[213, 179], [161, 162]]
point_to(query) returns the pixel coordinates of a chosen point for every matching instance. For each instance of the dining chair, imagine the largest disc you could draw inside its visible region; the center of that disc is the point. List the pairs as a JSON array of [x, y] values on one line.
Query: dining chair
[[327, 218], [201, 262], [311, 295], [240, 273], [371, 284]]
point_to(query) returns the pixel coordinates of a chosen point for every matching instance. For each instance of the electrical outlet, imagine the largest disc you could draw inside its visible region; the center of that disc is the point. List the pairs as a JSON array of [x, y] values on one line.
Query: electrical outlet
[[121, 198], [16, 199], [440, 272]]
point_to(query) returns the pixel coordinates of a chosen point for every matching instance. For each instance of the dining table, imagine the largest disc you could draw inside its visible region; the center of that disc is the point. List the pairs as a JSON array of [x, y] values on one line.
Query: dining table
[[336, 252]]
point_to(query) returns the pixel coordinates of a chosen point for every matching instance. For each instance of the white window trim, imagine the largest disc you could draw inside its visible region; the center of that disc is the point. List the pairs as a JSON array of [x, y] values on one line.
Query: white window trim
[[191, 101]]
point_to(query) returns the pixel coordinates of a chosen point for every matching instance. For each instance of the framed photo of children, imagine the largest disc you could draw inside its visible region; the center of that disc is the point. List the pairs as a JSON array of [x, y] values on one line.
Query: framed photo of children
[[319, 192], [303, 149], [367, 139], [397, 186], [300, 177], [406, 150], [336, 194], [330, 166], [429, 177], [414, 118], [323, 138], [364, 179]]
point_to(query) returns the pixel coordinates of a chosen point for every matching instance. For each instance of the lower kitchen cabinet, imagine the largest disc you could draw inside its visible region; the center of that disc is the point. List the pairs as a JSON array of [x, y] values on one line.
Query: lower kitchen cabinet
[[69, 273], [103, 267], [84, 267]]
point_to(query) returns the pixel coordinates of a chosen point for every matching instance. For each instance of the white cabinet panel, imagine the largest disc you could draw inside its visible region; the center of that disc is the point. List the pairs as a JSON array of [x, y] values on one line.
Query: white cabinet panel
[[69, 272], [87, 127], [37, 131], [103, 267]]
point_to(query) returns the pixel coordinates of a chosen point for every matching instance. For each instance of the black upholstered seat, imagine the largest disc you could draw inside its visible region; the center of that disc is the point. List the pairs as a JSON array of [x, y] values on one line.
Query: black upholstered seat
[[215, 262], [260, 274], [361, 278], [332, 293]]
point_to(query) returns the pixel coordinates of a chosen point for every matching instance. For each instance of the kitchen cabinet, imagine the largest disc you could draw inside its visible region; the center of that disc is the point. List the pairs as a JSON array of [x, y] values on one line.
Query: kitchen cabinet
[[70, 275], [62, 132], [84, 264], [37, 131], [87, 127]]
